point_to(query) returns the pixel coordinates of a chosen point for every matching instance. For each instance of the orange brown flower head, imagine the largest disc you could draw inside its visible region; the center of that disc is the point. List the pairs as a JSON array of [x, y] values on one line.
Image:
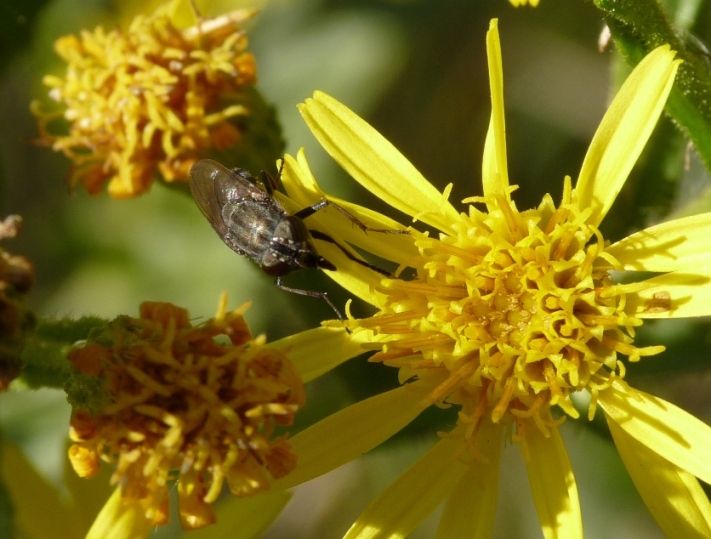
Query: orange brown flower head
[[16, 321], [148, 100], [198, 404]]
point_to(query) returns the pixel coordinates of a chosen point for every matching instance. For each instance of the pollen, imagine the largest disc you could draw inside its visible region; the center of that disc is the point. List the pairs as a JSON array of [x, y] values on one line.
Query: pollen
[[510, 316], [148, 100], [196, 404]]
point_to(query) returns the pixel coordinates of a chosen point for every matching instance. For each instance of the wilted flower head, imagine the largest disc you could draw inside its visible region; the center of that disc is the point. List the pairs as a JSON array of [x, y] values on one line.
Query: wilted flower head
[[512, 315], [198, 404], [16, 320], [148, 100]]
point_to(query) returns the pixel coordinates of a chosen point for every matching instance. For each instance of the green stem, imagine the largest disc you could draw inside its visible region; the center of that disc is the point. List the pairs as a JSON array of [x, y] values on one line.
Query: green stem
[[638, 27], [45, 353]]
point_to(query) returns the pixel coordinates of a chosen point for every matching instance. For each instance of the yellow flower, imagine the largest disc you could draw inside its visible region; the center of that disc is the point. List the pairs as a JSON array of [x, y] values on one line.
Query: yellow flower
[[517, 3], [150, 99], [177, 404], [512, 313]]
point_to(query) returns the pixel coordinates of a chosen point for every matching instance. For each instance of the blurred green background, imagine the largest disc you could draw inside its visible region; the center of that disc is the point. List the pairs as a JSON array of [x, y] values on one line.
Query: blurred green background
[[416, 70]]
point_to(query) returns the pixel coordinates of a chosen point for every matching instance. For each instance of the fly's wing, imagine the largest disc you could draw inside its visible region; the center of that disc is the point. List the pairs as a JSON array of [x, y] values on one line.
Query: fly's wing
[[203, 180], [243, 215], [213, 186]]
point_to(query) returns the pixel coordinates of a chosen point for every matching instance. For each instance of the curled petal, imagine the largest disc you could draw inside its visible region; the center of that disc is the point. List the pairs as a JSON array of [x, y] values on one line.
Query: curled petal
[[303, 190]]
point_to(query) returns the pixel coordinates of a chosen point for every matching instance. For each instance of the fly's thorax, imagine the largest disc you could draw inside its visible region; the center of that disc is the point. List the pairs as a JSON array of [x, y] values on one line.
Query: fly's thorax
[[251, 222], [291, 248]]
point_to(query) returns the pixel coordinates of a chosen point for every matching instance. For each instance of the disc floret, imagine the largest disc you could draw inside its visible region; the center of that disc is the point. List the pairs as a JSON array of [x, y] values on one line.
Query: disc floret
[[181, 405], [512, 314]]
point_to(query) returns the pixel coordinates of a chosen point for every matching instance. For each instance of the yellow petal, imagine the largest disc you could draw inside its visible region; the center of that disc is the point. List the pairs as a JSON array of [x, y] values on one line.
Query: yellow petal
[[38, 506], [624, 131], [120, 519], [555, 493], [673, 496], [495, 176], [243, 518], [470, 510], [317, 351], [413, 495], [303, 190], [679, 245], [375, 163], [666, 429], [672, 295], [354, 277], [88, 496], [350, 433]]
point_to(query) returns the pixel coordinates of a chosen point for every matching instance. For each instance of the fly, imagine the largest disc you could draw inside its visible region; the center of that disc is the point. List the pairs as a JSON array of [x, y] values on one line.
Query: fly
[[252, 223]]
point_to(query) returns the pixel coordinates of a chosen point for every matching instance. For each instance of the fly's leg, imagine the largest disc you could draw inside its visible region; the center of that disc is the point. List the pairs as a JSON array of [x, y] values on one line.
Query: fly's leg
[[270, 182], [318, 235], [310, 210], [313, 294]]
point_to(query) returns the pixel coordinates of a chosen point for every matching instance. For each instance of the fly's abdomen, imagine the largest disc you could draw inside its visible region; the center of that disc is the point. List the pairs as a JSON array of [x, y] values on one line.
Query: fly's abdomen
[[250, 227]]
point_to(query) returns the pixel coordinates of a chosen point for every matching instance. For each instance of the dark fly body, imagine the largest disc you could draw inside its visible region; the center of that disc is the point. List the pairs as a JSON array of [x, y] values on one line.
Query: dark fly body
[[245, 215]]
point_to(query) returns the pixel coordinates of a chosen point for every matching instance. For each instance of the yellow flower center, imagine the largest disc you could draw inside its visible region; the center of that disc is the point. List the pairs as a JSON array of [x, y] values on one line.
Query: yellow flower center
[[510, 316], [181, 405]]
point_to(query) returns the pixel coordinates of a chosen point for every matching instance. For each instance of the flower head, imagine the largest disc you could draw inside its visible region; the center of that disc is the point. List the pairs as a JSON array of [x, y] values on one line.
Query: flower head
[[513, 313], [16, 320], [517, 3], [177, 403], [152, 99]]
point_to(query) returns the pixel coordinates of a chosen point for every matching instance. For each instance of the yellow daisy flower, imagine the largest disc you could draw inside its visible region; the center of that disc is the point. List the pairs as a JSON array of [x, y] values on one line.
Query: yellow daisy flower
[[177, 402], [148, 100], [517, 3], [511, 314]]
